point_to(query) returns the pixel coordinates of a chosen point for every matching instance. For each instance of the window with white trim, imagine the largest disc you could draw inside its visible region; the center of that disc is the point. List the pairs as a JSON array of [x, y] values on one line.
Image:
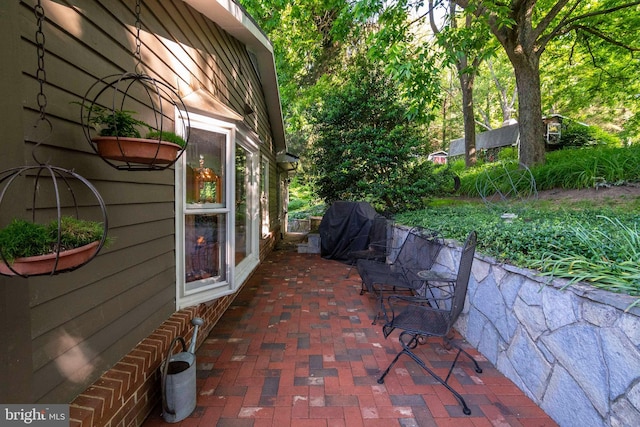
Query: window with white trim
[[264, 196], [216, 211]]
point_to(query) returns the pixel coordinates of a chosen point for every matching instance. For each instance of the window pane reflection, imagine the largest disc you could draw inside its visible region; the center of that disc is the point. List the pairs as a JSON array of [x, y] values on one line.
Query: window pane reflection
[[205, 167], [204, 247], [243, 220]]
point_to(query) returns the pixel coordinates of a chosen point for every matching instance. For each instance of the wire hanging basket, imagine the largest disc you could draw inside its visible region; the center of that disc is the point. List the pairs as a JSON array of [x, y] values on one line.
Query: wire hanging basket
[[61, 240], [57, 239], [125, 141]]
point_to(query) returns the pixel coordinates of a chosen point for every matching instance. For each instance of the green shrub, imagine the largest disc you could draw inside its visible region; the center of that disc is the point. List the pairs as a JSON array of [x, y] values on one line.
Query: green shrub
[[575, 134], [568, 168], [508, 154]]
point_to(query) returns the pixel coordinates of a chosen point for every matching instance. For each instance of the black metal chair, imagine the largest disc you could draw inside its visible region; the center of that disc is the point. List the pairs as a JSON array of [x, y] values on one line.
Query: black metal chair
[[418, 253], [418, 319], [378, 245]]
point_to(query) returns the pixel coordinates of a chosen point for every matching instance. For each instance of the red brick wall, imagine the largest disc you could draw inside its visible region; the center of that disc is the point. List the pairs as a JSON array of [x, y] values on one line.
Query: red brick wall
[[127, 393]]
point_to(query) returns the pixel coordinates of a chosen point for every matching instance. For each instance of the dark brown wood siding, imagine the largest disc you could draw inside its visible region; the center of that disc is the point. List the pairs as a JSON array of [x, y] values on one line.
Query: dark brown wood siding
[[84, 321]]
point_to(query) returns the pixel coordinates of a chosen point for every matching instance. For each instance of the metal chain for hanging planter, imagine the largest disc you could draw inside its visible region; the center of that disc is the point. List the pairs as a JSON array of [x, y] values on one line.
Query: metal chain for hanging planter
[[31, 248], [114, 129]]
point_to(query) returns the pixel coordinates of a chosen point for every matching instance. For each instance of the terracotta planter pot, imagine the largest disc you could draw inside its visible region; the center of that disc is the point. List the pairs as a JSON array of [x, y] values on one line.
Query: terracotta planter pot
[[44, 264], [136, 150]]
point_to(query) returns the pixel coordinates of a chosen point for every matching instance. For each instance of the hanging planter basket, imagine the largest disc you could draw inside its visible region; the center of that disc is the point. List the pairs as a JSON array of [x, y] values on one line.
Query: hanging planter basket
[[55, 262], [57, 239], [137, 150], [111, 111]]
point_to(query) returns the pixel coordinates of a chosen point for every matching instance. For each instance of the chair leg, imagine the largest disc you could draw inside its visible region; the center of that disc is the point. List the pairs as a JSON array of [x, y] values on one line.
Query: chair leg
[[458, 396], [411, 343], [386, 371], [382, 309], [349, 272], [478, 369], [393, 362]]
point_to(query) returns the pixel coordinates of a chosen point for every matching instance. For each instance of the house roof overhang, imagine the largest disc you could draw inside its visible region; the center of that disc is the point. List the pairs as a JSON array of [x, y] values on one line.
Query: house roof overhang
[[232, 18], [288, 162]]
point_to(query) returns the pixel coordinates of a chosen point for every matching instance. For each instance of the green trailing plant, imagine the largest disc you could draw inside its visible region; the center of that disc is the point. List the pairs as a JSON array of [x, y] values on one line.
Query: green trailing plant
[[22, 238], [167, 136]]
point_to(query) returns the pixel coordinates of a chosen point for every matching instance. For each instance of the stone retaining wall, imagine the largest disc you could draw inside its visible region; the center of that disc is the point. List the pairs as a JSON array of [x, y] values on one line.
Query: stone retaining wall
[[575, 352]]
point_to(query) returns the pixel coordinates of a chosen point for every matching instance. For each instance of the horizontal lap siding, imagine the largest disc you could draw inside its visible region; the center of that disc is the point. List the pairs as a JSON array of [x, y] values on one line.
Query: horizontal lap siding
[[84, 321]]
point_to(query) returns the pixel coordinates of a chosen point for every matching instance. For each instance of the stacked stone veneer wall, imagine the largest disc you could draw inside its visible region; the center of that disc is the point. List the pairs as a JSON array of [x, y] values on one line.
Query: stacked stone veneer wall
[[575, 352]]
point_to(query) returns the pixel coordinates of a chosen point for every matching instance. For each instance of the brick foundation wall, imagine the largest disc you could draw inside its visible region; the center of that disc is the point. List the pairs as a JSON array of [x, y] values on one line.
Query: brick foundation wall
[[127, 393]]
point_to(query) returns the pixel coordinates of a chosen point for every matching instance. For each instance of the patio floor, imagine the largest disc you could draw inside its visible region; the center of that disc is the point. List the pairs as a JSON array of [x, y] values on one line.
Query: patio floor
[[297, 347]]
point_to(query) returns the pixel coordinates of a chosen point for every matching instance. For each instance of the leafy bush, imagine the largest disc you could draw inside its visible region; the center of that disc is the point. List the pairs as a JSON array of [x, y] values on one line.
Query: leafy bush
[[575, 134], [508, 153], [568, 168], [366, 148]]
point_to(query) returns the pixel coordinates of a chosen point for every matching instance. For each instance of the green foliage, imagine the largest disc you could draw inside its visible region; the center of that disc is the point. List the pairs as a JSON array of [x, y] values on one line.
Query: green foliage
[[167, 137], [75, 232], [22, 238], [303, 202], [568, 168], [508, 154], [576, 134], [115, 122], [366, 148], [585, 245], [609, 259], [589, 167]]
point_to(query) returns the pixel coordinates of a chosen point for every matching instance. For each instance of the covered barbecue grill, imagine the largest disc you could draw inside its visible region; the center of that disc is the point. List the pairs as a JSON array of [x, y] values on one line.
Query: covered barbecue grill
[[345, 228]]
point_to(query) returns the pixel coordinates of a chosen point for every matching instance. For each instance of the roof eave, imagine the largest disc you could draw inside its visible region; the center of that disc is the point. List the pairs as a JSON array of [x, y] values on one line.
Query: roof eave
[[232, 18]]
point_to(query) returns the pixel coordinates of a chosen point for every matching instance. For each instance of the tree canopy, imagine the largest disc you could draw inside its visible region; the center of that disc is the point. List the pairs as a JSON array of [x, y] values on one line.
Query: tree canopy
[[588, 71], [365, 146]]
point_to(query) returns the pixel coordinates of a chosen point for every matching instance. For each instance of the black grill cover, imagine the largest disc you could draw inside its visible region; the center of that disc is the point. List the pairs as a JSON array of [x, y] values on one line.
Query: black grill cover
[[344, 228]]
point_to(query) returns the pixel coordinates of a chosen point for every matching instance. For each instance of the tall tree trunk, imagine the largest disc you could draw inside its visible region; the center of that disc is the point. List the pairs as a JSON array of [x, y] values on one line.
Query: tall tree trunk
[[526, 69], [466, 83]]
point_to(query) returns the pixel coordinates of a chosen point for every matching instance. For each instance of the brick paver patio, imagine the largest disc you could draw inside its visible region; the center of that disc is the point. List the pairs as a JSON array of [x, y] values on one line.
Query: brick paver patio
[[297, 348]]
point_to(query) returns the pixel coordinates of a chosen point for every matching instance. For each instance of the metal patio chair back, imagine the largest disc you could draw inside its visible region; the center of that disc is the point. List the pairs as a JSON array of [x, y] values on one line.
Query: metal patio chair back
[[417, 253], [418, 318], [379, 243]]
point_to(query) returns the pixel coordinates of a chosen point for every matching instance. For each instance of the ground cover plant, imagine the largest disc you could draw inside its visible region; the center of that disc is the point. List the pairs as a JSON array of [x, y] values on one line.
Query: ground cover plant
[[596, 244]]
